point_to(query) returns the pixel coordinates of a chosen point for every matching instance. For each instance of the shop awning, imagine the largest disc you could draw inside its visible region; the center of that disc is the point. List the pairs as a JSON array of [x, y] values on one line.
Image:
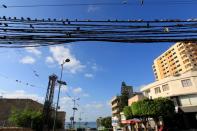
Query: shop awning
[[131, 121]]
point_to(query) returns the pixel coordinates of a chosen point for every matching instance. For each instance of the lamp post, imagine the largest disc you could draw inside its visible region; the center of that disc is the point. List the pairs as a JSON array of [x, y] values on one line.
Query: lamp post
[[60, 84]]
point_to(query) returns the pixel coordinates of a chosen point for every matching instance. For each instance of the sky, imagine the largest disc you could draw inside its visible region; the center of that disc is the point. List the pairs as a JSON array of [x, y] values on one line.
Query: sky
[[96, 69]]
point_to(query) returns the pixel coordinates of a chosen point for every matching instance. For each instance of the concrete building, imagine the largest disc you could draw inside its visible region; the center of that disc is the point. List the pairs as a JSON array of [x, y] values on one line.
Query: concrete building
[[126, 90], [182, 88], [179, 58], [116, 118], [118, 102], [7, 105], [176, 78], [136, 97], [115, 102]]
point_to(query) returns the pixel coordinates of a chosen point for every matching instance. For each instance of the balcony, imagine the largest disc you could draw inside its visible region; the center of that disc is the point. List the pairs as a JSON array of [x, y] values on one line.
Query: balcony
[[115, 105], [115, 111]]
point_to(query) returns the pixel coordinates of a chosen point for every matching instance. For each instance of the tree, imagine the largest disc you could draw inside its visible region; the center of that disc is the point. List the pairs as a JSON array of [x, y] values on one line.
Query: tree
[[106, 122], [156, 109], [128, 112], [98, 121], [30, 118], [163, 109], [26, 118]]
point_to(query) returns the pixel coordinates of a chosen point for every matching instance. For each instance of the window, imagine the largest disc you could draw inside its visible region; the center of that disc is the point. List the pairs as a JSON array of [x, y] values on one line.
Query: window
[[157, 90], [188, 65], [186, 83], [188, 100], [185, 61], [147, 92], [184, 100], [165, 87], [193, 99]]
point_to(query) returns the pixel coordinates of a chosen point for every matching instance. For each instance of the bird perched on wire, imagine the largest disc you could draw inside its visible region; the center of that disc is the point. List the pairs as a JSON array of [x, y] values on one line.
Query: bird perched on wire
[[35, 73], [124, 2], [142, 2], [4, 6]]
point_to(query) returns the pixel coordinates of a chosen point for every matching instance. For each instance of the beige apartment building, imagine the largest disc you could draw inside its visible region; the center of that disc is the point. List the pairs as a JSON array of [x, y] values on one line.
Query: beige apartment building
[[115, 104], [176, 78], [116, 117], [179, 58]]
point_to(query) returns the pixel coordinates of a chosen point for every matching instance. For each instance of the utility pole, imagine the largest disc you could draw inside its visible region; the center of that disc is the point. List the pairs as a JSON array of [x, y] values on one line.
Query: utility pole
[[74, 109], [60, 84], [80, 119]]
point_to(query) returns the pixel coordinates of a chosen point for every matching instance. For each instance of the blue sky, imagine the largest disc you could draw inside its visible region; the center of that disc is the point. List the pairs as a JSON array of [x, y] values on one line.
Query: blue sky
[[96, 69]]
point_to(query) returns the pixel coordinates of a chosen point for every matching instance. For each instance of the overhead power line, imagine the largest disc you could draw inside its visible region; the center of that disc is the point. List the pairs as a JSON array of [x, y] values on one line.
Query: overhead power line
[[125, 3], [27, 32], [18, 81]]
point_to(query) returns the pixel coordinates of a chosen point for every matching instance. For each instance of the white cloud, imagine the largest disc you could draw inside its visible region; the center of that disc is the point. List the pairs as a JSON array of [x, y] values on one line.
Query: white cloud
[[85, 95], [94, 105], [33, 50], [24, 95], [77, 90], [91, 110], [49, 59], [94, 67], [65, 100], [108, 103], [139, 87], [28, 60], [60, 53], [98, 106], [92, 8], [88, 75], [64, 89]]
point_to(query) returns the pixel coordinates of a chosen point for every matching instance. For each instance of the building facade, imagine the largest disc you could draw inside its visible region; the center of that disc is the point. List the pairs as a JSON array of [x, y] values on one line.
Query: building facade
[[116, 118], [179, 58], [115, 102], [183, 87], [176, 78], [126, 90], [136, 97], [118, 103], [182, 90]]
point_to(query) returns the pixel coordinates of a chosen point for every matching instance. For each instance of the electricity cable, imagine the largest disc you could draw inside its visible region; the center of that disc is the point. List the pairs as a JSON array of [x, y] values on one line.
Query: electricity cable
[[152, 3]]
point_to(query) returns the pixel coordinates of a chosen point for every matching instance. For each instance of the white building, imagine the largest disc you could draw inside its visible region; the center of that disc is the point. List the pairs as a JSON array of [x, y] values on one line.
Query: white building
[[182, 89]]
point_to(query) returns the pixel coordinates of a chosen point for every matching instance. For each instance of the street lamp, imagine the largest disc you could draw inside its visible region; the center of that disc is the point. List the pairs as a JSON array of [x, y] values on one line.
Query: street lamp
[[60, 84]]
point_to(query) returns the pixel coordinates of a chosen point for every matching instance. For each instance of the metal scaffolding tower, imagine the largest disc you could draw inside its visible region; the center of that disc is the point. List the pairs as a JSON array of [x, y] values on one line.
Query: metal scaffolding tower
[[47, 110]]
